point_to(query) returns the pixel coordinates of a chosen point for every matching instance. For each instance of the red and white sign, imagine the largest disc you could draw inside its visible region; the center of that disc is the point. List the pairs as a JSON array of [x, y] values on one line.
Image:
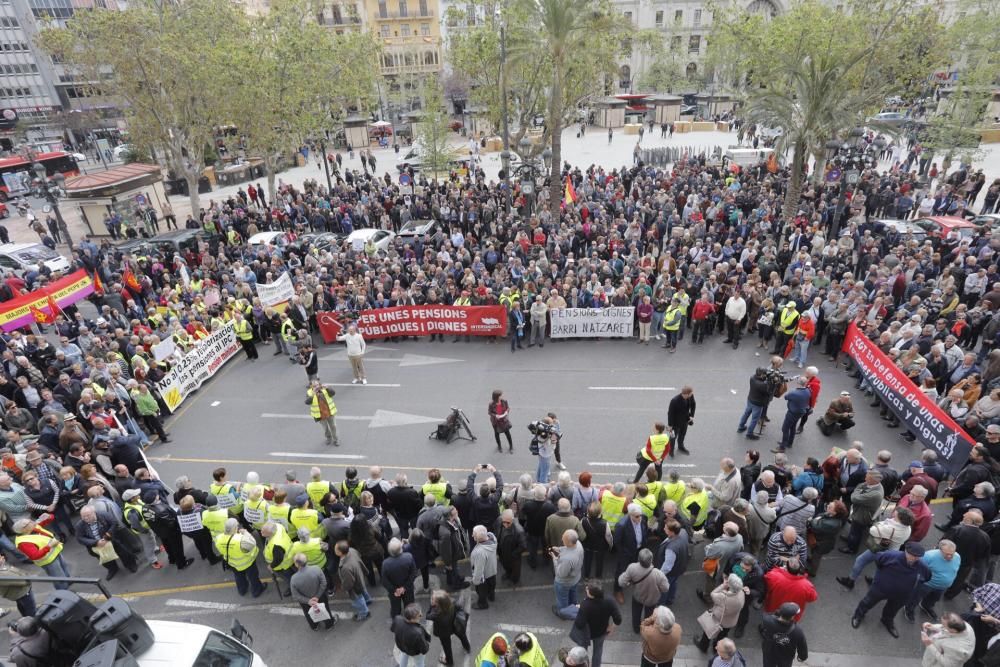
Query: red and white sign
[[932, 426], [427, 320]]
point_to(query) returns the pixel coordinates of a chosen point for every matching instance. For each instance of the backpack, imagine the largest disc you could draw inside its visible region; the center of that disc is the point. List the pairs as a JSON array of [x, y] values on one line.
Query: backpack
[[714, 522]]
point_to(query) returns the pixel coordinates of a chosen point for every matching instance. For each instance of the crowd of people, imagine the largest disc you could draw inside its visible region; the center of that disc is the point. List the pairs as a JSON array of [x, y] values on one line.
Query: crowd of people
[[699, 249]]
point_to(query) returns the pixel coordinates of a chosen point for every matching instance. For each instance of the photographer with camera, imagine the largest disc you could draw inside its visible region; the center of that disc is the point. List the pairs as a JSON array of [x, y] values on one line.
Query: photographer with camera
[[30, 643], [543, 444]]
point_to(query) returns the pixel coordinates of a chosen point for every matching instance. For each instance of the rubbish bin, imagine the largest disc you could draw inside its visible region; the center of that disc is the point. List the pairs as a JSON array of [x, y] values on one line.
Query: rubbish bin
[[116, 620]]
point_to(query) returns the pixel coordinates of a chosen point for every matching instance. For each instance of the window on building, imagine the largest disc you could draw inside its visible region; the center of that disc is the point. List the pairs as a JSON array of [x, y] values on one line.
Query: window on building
[[659, 18], [338, 17], [405, 30], [691, 71], [694, 44], [628, 16], [425, 29], [383, 10], [402, 8], [679, 16], [385, 30], [675, 43], [697, 18], [423, 8], [470, 14]]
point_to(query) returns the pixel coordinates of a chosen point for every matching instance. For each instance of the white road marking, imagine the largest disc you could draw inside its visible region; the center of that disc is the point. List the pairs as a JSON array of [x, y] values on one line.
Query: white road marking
[[380, 419], [290, 611], [201, 604], [319, 456], [538, 630], [351, 384], [215, 403], [631, 388], [424, 360], [615, 464]]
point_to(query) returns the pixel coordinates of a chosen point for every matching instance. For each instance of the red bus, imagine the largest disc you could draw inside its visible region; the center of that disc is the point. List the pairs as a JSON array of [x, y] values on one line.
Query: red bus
[[16, 173]]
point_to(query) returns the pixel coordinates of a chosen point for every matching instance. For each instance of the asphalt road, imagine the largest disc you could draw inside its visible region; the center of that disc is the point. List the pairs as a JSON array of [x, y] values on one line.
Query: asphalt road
[[607, 394]]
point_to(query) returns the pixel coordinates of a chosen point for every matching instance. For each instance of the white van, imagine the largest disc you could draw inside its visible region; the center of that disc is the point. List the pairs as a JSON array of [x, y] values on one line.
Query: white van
[[21, 257], [747, 157]]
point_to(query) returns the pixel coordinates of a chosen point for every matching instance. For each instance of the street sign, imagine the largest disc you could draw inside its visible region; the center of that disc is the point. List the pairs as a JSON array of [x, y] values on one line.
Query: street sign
[[404, 179]]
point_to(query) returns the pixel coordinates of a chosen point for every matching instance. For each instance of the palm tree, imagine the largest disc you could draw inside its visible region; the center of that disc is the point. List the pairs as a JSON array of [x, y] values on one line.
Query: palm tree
[[559, 29], [818, 103]]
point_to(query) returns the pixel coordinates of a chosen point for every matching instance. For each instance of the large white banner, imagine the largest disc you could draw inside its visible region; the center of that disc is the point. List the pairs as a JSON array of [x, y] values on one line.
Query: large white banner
[[274, 294], [613, 322], [198, 365]]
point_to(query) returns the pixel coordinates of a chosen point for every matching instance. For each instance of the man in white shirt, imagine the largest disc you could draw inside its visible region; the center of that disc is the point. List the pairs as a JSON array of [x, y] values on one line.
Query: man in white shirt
[[356, 348], [736, 310]]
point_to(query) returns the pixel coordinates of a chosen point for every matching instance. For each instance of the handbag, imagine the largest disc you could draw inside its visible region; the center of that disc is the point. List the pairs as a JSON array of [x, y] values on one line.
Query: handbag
[[709, 624], [880, 544], [460, 622], [710, 566], [107, 553]]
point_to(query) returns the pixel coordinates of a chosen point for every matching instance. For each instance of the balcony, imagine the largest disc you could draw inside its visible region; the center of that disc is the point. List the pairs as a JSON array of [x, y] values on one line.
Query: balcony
[[411, 69], [408, 16], [337, 21]]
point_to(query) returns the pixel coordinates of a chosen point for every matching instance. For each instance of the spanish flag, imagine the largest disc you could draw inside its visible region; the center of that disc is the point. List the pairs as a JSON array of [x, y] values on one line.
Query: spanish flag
[[772, 163], [54, 309], [570, 195]]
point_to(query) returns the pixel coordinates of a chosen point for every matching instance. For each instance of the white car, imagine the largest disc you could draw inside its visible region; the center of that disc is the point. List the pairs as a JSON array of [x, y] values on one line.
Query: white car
[[79, 157], [380, 237], [119, 152], [20, 257], [194, 645], [276, 239]]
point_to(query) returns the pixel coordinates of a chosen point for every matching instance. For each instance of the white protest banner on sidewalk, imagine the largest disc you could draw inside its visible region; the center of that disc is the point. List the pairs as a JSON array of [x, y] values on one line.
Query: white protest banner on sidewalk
[[275, 294], [615, 322], [198, 365]]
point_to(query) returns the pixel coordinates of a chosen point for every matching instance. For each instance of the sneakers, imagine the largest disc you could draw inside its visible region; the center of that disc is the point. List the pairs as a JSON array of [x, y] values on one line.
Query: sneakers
[[364, 380], [561, 465], [752, 436], [354, 381]]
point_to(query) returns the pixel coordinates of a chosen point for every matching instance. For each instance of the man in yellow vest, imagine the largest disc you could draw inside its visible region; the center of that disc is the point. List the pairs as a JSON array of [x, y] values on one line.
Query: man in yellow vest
[[494, 652], [244, 332], [673, 320], [42, 548], [288, 336], [465, 299], [785, 327], [255, 508], [323, 410], [304, 516], [226, 492], [529, 651], [317, 488], [213, 517], [437, 487], [696, 503], [313, 548], [132, 513], [613, 503], [277, 551], [656, 449], [239, 549]]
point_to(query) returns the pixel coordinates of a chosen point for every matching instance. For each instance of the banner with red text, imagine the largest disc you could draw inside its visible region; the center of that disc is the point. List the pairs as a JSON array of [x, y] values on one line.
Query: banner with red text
[[932, 426], [65, 291], [427, 320]]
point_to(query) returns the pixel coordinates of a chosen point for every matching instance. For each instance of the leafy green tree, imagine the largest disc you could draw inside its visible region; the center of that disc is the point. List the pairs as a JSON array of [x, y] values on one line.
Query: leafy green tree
[[665, 71], [433, 135], [169, 65]]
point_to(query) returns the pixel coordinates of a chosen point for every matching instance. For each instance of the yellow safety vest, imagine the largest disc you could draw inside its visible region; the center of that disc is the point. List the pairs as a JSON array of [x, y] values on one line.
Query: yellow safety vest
[[135, 506], [306, 518], [647, 504], [255, 512], [314, 406], [488, 654], [279, 514], [655, 489], [229, 547], [788, 322], [243, 330], [288, 330], [659, 443], [41, 539], [535, 657], [672, 319], [437, 489], [313, 551], [675, 491], [214, 520], [349, 492], [281, 539], [226, 489], [247, 488], [316, 489], [612, 507], [701, 498]]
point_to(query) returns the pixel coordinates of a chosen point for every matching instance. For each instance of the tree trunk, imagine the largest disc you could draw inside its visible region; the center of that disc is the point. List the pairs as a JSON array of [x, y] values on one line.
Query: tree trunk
[[794, 191], [191, 176], [269, 166], [556, 121]]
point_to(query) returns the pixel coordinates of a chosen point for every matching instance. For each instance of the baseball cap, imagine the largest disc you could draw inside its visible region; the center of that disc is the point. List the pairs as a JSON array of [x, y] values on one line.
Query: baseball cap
[[130, 494], [915, 549], [788, 610], [917, 464]]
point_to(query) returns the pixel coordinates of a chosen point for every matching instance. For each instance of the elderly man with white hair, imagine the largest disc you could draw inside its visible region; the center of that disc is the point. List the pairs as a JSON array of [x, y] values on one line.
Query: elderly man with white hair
[[484, 566], [649, 584], [399, 571], [797, 512], [728, 484], [239, 549], [661, 635], [567, 561], [630, 536], [309, 589]]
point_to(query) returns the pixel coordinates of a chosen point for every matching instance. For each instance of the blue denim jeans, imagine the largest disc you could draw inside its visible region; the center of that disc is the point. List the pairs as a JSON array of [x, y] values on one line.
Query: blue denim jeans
[[566, 601], [799, 350], [411, 660], [861, 562], [8, 548], [58, 568], [542, 473], [924, 594], [360, 604], [656, 325], [752, 412]]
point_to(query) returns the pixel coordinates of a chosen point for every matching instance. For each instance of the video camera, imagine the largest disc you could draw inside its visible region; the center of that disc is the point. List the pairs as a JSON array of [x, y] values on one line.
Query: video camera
[[541, 429]]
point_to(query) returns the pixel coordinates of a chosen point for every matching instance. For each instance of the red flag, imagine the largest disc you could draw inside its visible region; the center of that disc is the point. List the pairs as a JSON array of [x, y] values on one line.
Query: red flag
[[54, 309], [329, 326], [772, 163], [40, 315], [98, 285], [131, 281]]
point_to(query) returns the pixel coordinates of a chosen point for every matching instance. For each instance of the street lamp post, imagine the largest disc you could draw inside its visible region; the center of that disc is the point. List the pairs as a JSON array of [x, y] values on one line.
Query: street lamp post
[[326, 163], [50, 189], [505, 154]]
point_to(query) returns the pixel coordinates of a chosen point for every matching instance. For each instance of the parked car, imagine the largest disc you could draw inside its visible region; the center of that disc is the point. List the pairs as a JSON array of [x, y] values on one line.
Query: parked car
[[79, 157], [21, 257], [122, 151], [905, 228], [382, 238], [894, 118], [322, 241], [990, 221], [260, 239], [689, 109], [943, 226], [181, 240], [417, 228]]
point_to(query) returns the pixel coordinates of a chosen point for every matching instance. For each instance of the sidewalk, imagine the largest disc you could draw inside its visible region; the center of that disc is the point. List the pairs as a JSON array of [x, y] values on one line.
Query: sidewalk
[[627, 654]]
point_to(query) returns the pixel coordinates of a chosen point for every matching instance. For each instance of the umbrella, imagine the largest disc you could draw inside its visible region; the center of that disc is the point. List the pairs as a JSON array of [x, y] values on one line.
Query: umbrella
[[988, 597]]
